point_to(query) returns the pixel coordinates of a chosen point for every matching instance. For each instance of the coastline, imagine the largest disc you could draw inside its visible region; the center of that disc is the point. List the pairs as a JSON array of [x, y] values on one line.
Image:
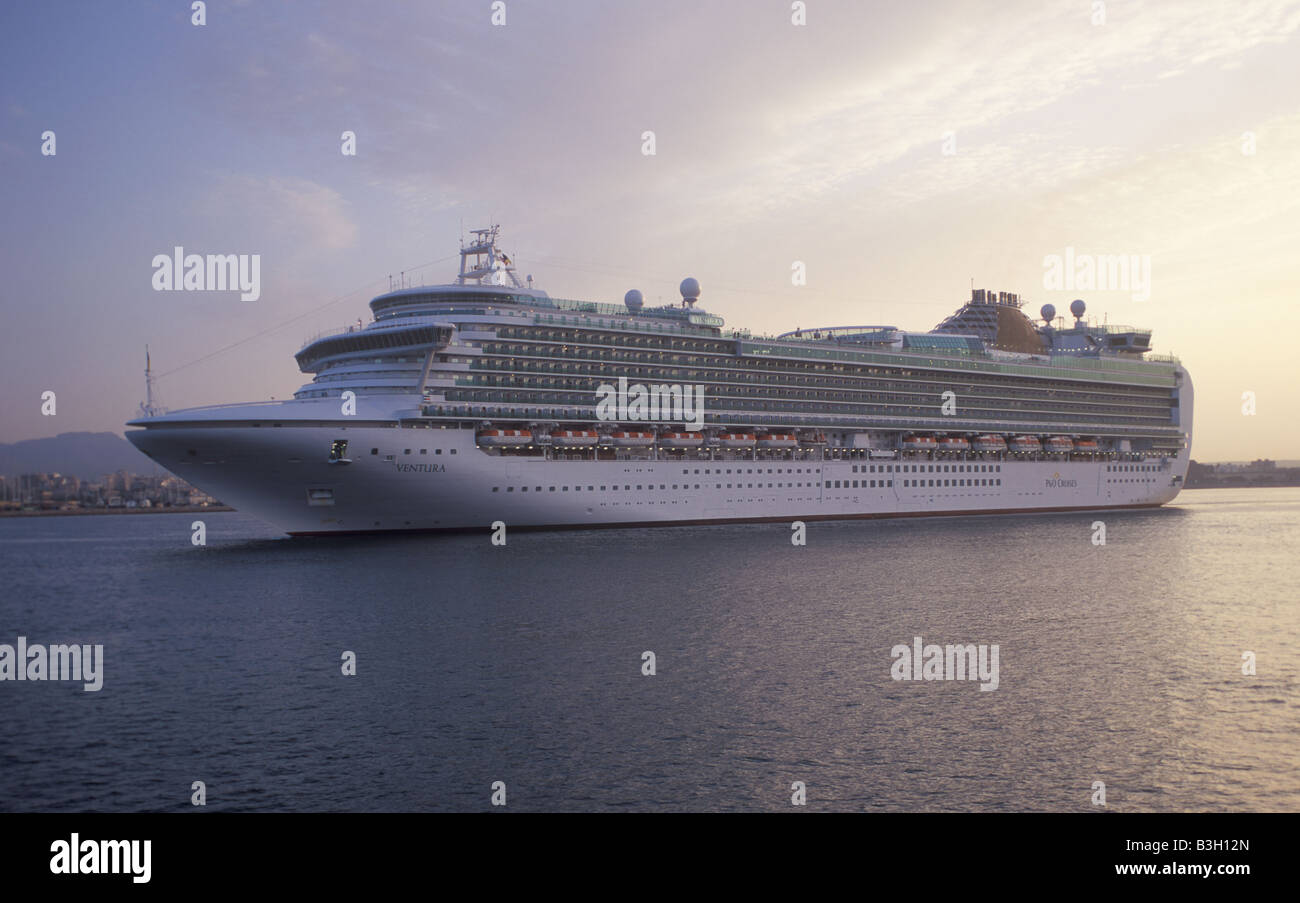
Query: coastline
[[182, 509], [1242, 484]]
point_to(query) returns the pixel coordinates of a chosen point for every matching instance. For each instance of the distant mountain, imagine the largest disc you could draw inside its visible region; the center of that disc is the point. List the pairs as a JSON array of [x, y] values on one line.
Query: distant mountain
[[85, 455]]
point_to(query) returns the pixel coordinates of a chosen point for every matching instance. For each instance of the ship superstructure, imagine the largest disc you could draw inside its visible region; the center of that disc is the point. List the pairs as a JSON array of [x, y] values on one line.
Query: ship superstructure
[[480, 401]]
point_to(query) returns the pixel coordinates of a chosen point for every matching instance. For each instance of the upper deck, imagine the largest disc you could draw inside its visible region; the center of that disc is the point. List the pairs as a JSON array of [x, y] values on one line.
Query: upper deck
[[489, 346]]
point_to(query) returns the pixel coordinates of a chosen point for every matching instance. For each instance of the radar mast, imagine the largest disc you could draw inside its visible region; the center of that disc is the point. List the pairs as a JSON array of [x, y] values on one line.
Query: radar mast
[[481, 263]]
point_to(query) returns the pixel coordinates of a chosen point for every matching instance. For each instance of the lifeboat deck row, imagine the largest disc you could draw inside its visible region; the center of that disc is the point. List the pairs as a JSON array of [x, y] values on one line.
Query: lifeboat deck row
[[532, 441], [497, 437]]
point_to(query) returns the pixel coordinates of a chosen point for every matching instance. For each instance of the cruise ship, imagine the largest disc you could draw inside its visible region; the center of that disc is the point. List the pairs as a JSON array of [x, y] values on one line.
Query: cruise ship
[[486, 401]]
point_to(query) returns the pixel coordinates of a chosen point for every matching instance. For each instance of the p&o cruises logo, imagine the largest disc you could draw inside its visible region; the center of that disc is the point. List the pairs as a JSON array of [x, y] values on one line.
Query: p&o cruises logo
[[1055, 482]]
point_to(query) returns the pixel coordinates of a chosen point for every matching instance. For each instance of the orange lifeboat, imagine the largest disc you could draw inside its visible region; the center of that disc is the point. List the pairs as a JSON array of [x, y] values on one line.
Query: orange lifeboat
[[1060, 445], [496, 438], [990, 443], [1026, 444], [736, 440], [572, 438], [913, 442], [681, 440], [626, 439], [777, 440]]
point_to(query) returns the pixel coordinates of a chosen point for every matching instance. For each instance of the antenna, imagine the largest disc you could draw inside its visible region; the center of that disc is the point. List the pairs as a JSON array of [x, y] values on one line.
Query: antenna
[[147, 407]]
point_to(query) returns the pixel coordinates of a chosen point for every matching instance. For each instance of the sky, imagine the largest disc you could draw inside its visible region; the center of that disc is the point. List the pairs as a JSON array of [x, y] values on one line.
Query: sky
[[897, 151]]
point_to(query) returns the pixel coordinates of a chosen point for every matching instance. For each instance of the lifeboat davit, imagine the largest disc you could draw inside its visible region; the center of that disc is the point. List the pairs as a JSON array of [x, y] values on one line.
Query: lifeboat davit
[[1026, 444], [1087, 446], [954, 443], [777, 440], [919, 443], [499, 438], [812, 437], [1060, 445], [575, 437], [681, 440], [625, 439], [736, 440], [990, 443]]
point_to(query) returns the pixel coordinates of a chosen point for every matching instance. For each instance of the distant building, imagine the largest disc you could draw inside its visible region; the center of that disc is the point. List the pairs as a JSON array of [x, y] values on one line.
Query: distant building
[[1260, 472], [56, 491]]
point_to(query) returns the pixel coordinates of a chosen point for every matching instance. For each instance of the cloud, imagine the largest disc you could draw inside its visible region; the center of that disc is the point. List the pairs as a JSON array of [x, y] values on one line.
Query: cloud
[[290, 210]]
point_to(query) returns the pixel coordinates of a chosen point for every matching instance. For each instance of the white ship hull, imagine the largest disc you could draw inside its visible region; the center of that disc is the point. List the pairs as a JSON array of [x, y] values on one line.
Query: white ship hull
[[282, 476]]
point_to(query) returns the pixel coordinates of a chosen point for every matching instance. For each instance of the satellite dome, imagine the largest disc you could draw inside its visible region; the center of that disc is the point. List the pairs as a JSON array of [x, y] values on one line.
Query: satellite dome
[[1077, 307], [633, 300], [1048, 312], [690, 288]]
